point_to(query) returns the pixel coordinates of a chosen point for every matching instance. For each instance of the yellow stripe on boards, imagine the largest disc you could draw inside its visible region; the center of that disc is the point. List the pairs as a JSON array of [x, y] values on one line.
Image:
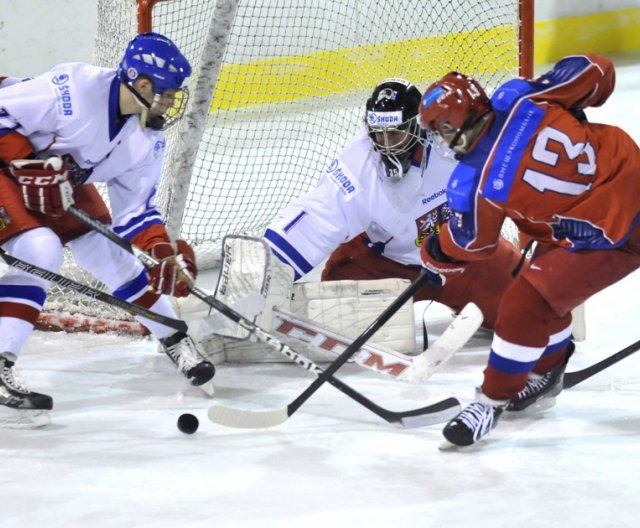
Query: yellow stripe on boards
[[482, 52], [346, 70], [608, 32]]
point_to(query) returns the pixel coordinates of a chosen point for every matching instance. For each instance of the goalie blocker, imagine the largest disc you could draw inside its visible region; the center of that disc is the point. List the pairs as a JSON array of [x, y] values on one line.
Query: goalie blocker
[[346, 307]]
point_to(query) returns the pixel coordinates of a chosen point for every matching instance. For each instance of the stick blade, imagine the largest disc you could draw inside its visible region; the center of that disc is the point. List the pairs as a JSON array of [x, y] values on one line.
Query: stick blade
[[579, 323], [438, 413], [245, 418], [451, 341], [217, 323]]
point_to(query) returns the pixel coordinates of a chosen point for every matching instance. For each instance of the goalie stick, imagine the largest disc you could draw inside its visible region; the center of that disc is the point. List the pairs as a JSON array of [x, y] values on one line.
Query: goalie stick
[[432, 414], [246, 418], [435, 413], [571, 379], [380, 358]]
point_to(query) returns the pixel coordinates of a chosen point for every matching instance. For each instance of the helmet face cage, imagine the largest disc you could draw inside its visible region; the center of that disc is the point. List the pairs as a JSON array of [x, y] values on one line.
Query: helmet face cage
[[168, 109], [391, 120], [442, 145], [153, 56], [450, 108]]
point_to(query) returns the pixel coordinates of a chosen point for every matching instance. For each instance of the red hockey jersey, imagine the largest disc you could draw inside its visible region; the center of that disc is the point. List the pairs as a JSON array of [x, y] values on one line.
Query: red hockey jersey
[[561, 179]]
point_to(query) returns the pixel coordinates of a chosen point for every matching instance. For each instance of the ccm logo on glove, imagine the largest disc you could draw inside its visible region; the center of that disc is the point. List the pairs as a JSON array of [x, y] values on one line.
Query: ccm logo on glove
[[45, 185]]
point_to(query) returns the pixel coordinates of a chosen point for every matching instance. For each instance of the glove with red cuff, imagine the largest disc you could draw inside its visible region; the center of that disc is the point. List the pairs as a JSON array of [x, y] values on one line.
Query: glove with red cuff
[[438, 265], [45, 184], [176, 270]]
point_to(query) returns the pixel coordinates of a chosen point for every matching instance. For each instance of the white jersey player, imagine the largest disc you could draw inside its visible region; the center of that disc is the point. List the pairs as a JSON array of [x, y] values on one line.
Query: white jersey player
[[61, 132], [374, 205]]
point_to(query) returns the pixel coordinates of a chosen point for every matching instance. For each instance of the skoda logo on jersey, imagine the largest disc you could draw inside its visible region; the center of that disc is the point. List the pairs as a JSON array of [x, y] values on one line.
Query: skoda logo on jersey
[[60, 79], [63, 93], [337, 174], [384, 119]]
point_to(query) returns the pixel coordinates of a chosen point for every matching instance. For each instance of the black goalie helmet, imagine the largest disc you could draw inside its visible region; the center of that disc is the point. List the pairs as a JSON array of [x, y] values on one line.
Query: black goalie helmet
[[392, 123]]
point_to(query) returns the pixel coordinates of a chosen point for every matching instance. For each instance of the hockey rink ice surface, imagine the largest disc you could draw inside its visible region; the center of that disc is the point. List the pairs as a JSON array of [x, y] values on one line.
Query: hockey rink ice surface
[[113, 456]]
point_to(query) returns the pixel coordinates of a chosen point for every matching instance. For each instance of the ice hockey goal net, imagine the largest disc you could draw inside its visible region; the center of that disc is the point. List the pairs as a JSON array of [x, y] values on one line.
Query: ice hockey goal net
[[279, 88]]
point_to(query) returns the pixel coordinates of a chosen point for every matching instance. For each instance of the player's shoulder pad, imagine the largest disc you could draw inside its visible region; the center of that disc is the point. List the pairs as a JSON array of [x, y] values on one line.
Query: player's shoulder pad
[[509, 93], [565, 69]]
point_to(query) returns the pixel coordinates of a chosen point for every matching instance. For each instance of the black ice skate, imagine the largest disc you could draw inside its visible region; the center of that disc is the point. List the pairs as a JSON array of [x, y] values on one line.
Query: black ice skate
[[182, 351], [540, 386], [20, 408], [474, 422]]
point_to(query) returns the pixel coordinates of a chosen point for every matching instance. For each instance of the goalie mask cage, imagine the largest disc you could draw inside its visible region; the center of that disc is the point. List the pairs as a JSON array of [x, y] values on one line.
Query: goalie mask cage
[[279, 87]]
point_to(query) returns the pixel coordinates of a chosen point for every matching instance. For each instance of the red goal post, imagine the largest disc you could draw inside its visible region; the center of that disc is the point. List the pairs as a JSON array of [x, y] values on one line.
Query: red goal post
[[279, 88]]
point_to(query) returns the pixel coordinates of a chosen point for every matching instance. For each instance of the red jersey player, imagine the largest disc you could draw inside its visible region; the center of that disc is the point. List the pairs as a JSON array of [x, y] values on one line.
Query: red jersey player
[[572, 186]]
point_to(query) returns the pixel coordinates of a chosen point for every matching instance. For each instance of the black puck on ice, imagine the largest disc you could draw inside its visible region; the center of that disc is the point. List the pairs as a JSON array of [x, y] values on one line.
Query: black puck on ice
[[188, 423]]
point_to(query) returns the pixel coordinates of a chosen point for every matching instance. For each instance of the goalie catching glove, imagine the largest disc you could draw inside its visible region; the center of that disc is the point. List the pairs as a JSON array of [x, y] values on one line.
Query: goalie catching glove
[[176, 270], [45, 184], [436, 263]]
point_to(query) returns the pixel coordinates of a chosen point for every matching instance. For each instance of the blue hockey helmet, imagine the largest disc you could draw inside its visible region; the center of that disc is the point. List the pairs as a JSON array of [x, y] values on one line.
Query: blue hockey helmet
[[158, 58]]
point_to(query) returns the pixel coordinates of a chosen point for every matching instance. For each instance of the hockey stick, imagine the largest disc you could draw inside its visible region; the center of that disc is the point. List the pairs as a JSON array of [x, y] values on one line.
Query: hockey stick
[[248, 265], [93, 293], [197, 327], [571, 379], [250, 419], [435, 413], [377, 357]]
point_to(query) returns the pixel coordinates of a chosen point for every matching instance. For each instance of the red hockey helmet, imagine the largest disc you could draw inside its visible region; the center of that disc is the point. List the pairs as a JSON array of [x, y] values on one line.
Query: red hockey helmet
[[451, 107]]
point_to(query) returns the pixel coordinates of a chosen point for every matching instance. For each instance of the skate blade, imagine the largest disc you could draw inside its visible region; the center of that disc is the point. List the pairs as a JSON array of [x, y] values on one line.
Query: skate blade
[[445, 445], [541, 405], [207, 388]]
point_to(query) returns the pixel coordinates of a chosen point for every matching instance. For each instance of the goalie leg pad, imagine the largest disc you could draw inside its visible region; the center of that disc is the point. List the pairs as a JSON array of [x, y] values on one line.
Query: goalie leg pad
[[349, 306], [249, 268]]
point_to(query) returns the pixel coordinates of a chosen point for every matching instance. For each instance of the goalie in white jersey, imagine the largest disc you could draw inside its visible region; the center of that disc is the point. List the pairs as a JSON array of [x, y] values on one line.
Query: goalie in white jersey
[[375, 204], [59, 133]]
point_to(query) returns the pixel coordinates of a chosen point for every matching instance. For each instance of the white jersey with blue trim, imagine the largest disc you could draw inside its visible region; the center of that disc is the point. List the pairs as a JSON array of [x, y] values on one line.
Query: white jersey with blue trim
[[353, 196], [74, 109]]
